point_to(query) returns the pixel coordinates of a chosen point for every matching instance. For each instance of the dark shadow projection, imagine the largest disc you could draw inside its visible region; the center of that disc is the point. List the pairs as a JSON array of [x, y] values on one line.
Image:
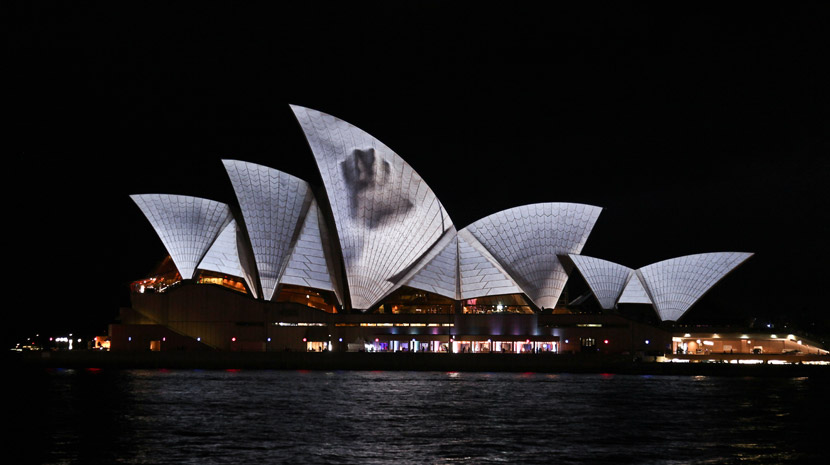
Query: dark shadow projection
[[365, 174]]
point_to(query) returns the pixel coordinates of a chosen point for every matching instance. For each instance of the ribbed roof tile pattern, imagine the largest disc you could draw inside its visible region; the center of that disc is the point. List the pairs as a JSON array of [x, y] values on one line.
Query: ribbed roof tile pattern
[[187, 226], [223, 256], [480, 273], [273, 204], [307, 265], [634, 292], [526, 241], [676, 284], [606, 279], [385, 214], [439, 272]]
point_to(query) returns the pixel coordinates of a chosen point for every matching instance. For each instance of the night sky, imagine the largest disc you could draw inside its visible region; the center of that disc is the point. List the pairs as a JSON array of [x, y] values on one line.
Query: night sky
[[696, 129]]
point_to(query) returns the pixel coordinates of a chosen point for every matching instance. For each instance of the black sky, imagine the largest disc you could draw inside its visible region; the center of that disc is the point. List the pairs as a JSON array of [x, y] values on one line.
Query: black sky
[[696, 129]]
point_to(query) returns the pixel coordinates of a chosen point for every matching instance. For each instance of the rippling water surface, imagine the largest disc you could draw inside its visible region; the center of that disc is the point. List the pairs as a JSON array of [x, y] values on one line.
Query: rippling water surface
[[191, 416]]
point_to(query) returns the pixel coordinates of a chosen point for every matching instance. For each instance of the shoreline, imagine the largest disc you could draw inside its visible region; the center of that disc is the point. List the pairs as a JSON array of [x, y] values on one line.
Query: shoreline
[[402, 361]]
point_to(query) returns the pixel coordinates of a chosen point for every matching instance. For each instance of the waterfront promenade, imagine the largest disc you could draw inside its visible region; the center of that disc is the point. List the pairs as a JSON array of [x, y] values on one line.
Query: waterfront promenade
[[542, 363]]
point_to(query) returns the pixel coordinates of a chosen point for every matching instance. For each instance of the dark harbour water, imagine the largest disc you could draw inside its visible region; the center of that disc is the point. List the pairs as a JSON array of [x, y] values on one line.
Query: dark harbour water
[[362, 417]]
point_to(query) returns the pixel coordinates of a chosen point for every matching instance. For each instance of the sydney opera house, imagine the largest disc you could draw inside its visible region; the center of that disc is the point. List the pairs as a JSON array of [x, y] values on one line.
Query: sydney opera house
[[371, 261]]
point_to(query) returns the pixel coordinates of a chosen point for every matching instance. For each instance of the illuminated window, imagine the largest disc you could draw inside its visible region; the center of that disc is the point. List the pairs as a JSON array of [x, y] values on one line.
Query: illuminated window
[[407, 300], [321, 300]]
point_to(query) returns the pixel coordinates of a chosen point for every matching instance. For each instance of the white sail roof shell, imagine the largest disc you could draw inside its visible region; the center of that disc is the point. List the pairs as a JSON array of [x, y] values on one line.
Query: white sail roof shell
[[606, 279], [187, 226], [308, 265], [385, 215], [480, 273], [634, 292], [437, 271], [676, 284], [273, 206], [223, 256], [527, 240]]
